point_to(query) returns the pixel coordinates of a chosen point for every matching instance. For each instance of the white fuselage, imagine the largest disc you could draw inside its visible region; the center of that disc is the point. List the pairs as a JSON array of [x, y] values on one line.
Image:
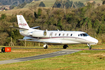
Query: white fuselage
[[53, 37], [58, 37]]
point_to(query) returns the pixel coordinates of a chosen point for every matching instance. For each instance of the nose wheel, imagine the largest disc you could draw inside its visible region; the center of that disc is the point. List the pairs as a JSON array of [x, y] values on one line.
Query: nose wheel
[[89, 46]]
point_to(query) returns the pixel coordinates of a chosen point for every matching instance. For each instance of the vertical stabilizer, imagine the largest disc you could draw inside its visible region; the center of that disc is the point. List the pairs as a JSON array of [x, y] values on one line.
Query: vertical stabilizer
[[22, 22]]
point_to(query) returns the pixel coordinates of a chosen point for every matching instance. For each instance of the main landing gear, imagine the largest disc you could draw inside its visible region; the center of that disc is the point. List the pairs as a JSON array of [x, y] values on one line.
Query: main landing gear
[[89, 46], [45, 46], [65, 46]]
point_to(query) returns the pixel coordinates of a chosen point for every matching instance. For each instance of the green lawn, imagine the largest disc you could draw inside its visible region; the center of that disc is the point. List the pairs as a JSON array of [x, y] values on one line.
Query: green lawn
[[83, 60], [18, 53], [36, 50]]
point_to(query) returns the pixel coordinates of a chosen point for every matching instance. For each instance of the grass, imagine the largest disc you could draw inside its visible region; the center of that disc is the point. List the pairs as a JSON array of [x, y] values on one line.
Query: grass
[[17, 52], [13, 11], [83, 60], [49, 3], [84, 1], [32, 4]]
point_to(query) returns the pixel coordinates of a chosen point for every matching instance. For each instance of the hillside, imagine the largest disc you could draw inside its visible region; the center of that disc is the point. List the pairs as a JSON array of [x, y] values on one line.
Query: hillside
[[50, 3], [88, 19], [13, 2]]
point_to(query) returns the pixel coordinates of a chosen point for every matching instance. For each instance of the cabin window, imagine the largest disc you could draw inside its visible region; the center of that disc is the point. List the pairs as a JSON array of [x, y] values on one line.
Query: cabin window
[[83, 34], [51, 34], [71, 34], [63, 34], [80, 34]]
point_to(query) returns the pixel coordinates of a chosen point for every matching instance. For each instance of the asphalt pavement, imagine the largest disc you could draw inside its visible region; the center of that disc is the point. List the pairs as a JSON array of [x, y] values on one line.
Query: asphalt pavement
[[54, 54]]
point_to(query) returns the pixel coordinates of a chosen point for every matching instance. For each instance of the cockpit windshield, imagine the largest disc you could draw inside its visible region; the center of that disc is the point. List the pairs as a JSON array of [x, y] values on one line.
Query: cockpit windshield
[[83, 34]]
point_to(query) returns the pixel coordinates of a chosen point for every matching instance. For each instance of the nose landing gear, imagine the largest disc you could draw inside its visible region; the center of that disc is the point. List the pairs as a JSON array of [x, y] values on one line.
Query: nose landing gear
[[89, 46]]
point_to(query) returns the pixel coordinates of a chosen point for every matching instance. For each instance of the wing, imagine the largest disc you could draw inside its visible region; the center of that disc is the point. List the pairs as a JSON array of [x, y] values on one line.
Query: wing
[[46, 41]]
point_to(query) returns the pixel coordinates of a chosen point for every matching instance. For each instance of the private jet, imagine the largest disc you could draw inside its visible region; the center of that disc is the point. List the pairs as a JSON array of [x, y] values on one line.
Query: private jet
[[55, 37]]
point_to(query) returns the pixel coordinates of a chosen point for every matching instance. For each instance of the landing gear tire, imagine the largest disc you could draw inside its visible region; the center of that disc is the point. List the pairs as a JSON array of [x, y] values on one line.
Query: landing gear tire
[[45, 46], [89, 46], [65, 46]]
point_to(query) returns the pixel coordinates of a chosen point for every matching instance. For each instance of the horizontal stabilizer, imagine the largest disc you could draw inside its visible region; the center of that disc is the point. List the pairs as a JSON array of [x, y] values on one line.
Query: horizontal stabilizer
[[18, 28], [35, 27]]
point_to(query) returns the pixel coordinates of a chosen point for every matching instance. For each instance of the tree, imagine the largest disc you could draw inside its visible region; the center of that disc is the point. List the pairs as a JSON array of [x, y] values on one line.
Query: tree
[[22, 5], [79, 4], [101, 29], [41, 4], [3, 16], [11, 7], [95, 24], [89, 24], [39, 12], [57, 4], [68, 4], [103, 1], [59, 24], [35, 15]]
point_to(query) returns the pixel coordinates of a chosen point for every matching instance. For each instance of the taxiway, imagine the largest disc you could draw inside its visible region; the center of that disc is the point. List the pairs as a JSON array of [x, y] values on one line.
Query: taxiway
[[59, 53]]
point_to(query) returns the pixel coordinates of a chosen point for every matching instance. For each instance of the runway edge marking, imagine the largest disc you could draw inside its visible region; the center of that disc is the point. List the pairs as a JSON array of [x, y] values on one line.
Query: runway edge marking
[[58, 53]]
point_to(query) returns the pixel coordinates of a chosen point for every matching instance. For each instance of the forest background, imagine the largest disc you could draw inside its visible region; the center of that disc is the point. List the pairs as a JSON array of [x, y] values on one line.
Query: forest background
[[64, 15]]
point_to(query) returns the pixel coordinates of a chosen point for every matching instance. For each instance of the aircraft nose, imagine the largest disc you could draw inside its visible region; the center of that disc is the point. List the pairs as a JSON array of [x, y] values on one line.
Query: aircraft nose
[[95, 41]]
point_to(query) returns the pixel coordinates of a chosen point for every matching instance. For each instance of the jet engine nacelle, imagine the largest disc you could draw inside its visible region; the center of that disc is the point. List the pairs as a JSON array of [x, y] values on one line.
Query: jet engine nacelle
[[39, 33]]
